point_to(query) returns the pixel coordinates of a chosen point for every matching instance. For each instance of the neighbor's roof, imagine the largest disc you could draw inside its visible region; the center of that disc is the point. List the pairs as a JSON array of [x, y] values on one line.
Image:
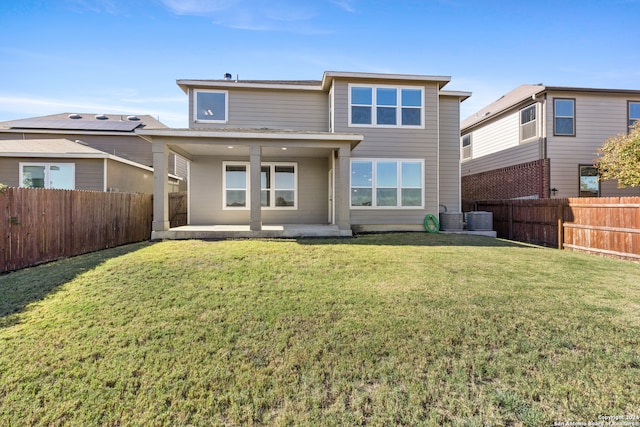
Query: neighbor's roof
[[85, 122], [505, 102], [57, 149], [524, 92], [45, 147]]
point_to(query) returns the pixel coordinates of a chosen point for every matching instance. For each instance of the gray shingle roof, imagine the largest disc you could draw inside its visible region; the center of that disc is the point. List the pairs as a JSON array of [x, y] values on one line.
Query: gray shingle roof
[[86, 122]]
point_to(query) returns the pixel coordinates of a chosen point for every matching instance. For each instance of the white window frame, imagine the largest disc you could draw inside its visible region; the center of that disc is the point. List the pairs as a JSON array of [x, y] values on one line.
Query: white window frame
[[272, 195], [247, 188], [374, 187], [531, 123], [466, 149], [246, 185], [629, 118], [398, 106], [195, 106], [47, 173]]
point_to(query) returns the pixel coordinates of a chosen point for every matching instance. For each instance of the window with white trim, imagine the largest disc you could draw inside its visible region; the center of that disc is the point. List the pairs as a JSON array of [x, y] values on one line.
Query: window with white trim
[[211, 106], [235, 181], [466, 146], [278, 185], [48, 175], [528, 127], [634, 113], [387, 183], [386, 106], [564, 117]]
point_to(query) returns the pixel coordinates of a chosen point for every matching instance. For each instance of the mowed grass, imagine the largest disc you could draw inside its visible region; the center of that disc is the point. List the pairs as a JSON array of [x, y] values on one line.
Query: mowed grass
[[389, 329]]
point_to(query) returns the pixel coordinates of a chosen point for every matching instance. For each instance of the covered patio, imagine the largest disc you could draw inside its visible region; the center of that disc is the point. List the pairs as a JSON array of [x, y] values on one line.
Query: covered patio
[[321, 206]]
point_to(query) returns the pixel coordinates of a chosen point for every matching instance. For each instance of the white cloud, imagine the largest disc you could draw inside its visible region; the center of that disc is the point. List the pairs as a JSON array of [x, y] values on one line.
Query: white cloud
[[199, 7], [256, 15], [94, 6], [347, 5]]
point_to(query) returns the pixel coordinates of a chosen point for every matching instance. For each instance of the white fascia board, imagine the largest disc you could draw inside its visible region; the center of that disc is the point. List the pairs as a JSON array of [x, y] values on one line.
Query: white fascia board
[[456, 93], [186, 84], [330, 75], [129, 162], [56, 155]]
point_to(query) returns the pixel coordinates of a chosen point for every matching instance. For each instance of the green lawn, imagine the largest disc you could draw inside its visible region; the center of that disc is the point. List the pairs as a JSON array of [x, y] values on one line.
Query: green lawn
[[389, 329]]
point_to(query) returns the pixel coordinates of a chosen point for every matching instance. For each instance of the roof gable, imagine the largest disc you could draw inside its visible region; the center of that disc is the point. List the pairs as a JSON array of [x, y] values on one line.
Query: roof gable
[[502, 104]]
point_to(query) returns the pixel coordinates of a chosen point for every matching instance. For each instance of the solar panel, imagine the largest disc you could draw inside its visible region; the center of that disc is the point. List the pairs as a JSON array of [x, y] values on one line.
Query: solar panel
[[77, 124]]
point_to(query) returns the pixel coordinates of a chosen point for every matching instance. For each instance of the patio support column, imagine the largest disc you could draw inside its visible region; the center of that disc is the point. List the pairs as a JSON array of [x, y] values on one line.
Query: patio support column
[[342, 189], [255, 160], [160, 186]]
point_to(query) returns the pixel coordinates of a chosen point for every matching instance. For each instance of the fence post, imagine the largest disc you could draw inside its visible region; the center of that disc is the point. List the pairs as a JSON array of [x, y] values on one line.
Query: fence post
[[560, 216], [510, 210]]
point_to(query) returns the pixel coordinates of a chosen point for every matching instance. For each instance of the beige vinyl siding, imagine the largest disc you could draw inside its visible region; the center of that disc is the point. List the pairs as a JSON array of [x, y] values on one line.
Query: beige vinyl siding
[[10, 171], [450, 153], [524, 153], [89, 172], [395, 143], [272, 109], [206, 193], [598, 116], [610, 189], [497, 135], [128, 179]]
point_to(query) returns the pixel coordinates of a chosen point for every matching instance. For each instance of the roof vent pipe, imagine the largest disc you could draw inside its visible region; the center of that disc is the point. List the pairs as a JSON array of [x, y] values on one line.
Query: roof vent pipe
[[227, 76]]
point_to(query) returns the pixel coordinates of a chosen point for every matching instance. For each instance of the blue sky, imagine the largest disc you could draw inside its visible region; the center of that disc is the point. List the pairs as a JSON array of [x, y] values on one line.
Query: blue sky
[[124, 56]]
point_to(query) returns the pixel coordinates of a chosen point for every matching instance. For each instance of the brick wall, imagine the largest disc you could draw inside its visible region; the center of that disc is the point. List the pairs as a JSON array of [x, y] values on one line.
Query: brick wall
[[523, 180]]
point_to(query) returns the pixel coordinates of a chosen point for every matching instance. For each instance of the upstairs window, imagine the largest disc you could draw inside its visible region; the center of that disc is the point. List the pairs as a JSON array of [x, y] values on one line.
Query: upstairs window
[[466, 146], [564, 117], [634, 113], [211, 106], [48, 175], [385, 106], [528, 127]]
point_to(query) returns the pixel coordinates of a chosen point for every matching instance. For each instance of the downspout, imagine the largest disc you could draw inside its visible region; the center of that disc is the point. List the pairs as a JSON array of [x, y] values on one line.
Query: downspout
[[437, 153], [104, 182], [543, 146]]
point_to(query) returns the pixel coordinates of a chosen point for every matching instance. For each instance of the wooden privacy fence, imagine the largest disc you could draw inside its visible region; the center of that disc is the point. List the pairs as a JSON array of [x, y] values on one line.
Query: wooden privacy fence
[[38, 225], [178, 208], [607, 226]]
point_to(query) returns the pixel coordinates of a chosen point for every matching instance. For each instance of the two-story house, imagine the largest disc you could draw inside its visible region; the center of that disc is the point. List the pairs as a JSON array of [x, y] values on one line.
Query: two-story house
[[83, 151], [541, 141], [357, 151]]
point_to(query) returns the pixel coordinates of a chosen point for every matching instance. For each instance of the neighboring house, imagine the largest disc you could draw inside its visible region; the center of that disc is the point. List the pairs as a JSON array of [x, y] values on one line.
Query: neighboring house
[[541, 141], [111, 134], [69, 165], [353, 150]]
